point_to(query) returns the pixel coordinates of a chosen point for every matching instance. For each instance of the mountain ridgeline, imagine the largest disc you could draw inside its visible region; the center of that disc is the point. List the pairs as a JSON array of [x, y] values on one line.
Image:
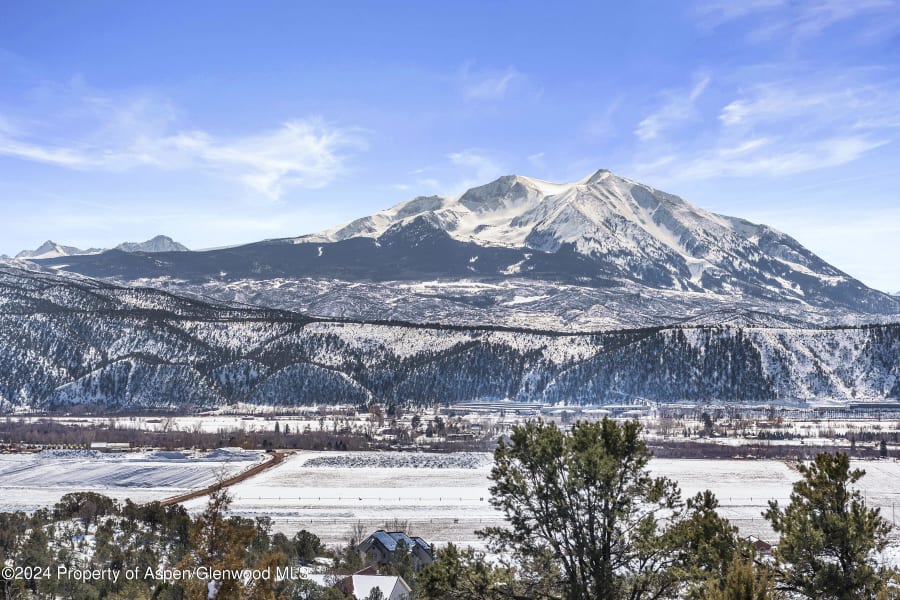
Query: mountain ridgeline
[[51, 249], [69, 340], [604, 252]]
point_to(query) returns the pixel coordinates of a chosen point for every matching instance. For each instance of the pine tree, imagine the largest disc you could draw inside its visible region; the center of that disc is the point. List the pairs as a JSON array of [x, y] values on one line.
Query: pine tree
[[586, 501], [744, 580], [461, 574], [217, 543], [828, 536]]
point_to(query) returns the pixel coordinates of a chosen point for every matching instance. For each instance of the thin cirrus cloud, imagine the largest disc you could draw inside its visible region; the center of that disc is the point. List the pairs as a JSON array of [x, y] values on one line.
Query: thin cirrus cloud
[[105, 135], [797, 21], [488, 85], [460, 171], [761, 157], [840, 102], [712, 13], [678, 109], [777, 128], [477, 166]]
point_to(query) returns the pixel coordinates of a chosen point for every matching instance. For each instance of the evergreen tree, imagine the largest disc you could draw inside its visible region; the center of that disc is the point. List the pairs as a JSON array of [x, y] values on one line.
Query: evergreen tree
[[586, 500], [307, 546], [707, 542], [743, 580], [217, 543], [461, 574], [828, 536]]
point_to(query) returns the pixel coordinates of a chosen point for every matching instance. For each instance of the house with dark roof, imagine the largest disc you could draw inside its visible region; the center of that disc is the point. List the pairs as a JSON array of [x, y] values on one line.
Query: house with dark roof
[[382, 548]]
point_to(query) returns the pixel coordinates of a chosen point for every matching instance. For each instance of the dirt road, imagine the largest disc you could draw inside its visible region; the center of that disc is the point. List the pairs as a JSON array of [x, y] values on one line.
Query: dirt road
[[275, 458]]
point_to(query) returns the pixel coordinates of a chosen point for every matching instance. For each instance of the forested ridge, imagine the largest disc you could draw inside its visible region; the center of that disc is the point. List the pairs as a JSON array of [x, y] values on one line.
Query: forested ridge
[[66, 341]]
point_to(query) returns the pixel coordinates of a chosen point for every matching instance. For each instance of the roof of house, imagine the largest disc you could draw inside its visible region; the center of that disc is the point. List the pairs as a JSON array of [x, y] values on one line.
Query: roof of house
[[362, 585], [390, 540], [758, 543]]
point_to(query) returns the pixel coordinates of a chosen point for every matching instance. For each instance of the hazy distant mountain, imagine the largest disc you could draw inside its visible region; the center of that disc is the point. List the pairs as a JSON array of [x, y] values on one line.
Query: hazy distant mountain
[[69, 340], [600, 253], [160, 243], [50, 249]]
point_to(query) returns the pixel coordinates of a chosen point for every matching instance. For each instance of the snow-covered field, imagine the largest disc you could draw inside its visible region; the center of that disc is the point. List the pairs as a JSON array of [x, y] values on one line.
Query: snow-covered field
[[34, 480], [444, 497]]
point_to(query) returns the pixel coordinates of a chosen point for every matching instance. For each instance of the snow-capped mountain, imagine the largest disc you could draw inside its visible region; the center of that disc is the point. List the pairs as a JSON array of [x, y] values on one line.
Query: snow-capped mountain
[[69, 340], [602, 252], [160, 243], [50, 249], [629, 231]]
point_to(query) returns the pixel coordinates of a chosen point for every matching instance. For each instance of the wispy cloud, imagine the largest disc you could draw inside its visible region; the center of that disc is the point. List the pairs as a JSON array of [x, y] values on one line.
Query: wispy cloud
[[712, 13], [602, 124], [537, 160], [815, 18], [96, 132], [488, 85], [838, 102], [797, 21], [477, 167], [781, 127], [678, 109], [762, 157]]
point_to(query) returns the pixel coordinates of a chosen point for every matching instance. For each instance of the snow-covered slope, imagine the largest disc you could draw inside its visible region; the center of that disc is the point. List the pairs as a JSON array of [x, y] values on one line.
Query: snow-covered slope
[[51, 249], [633, 231], [68, 340]]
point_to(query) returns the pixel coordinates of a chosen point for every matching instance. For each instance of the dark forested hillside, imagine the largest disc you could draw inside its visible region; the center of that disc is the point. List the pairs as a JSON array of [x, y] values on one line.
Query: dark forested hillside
[[71, 341]]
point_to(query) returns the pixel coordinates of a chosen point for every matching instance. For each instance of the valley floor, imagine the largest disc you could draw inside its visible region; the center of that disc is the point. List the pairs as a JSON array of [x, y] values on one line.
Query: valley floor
[[442, 497]]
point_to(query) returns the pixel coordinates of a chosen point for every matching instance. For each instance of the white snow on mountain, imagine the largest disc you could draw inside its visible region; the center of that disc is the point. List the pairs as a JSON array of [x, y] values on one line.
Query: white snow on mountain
[[160, 243], [51, 249], [508, 211], [603, 216]]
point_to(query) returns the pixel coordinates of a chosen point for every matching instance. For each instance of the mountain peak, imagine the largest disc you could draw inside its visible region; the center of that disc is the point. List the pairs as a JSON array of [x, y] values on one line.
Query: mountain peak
[[595, 177], [502, 193], [160, 243], [47, 246], [51, 249], [629, 232]]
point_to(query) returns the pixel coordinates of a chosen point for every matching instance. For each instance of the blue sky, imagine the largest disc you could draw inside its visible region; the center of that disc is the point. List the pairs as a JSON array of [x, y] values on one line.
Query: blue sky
[[227, 122]]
